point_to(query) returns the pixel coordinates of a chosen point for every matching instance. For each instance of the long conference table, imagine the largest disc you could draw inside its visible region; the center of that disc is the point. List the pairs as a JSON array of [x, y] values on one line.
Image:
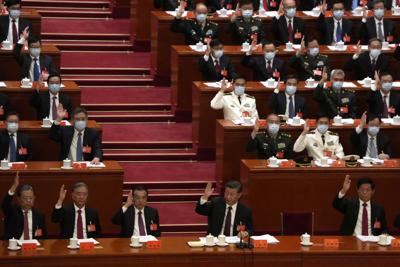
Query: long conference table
[[105, 189], [184, 64], [19, 98], [9, 68], [231, 141], [175, 252], [270, 191], [44, 149]]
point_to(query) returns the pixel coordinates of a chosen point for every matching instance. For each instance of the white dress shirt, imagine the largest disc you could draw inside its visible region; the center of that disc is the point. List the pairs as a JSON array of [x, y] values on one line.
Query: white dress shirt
[[74, 144], [16, 146], [83, 215], [287, 103], [10, 36], [358, 228], [51, 103]]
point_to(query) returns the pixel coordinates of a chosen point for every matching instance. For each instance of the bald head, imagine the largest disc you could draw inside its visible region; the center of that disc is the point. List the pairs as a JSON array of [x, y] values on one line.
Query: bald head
[[289, 3], [201, 8]]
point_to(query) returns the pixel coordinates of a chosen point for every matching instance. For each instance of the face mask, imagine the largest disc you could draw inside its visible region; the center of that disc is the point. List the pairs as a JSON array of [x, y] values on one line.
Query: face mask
[[247, 13], [12, 127], [15, 13], [322, 128], [290, 89], [386, 87], [313, 51], [35, 52], [375, 53], [218, 53], [290, 12], [373, 130], [378, 13], [337, 85], [273, 128], [338, 14], [80, 125], [269, 55], [201, 18], [54, 87], [239, 90]]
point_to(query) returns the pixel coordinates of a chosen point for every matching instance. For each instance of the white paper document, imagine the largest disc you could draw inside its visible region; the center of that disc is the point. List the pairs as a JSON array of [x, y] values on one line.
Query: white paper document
[[372, 238], [2, 84], [32, 241], [216, 84], [173, 13], [147, 238], [85, 240], [194, 48], [270, 239]]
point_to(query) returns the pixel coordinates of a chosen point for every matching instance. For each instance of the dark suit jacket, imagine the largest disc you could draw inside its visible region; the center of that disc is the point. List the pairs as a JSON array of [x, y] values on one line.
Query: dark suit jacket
[[368, 29], [375, 102], [214, 5], [326, 27], [41, 102], [350, 209], [279, 28], [23, 141], [127, 221], [14, 220], [5, 24], [360, 143], [171, 5], [65, 216], [215, 211], [4, 103], [259, 67], [64, 135], [397, 221], [362, 65], [278, 104], [24, 61], [209, 73]]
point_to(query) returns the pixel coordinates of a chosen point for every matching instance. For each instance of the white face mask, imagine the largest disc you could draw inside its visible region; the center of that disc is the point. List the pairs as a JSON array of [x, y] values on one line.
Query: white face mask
[[290, 12], [322, 128], [269, 55], [273, 128], [15, 13], [12, 127], [80, 125], [386, 86], [201, 18], [218, 53], [291, 89], [375, 53], [35, 52], [313, 51], [338, 14], [239, 90], [247, 13]]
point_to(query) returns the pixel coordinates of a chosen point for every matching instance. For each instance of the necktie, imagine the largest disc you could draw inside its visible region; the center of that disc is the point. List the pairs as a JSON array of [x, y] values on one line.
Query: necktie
[[54, 109], [13, 149], [269, 66], [26, 226], [217, 67], [79, 225], [338, 32], [240, 100], [36, 72], [380, 33], [265, 5], [323, 139], [373, 151], [290, 31], [79, 147], [14, 31], [142, 232], [385, 112], [373, 63], [291, 107], [354, 4], [364, 230], [228, 219]]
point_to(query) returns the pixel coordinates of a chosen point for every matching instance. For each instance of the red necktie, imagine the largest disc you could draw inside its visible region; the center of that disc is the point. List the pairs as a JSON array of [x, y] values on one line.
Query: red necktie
[[26, 226], [290, 31], [265, 5], [79, 225], [269, 67], [54, 109], [385, 108], [14, 32], [217, 67], [142, 232], [364, 230], [228, 221]]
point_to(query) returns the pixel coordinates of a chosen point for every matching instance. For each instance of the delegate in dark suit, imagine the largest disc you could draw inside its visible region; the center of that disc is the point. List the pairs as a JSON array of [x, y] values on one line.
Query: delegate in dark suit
[[326, 26], [363, 68], [209, 71], [64, 135], [4, 106], [278, 104], [127, 221], [65, 216], [5, 24], [215, 212], [368, 30], [350, 209], [193, 31], [41, 102], [259, 66], [14, 220], [171, 5], [25, 60], [376, 106], [280, 30], [23, 141], [359, 143]]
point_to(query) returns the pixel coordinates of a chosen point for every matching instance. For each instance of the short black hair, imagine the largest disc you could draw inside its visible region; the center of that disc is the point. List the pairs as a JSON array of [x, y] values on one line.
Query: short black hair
[[239, 77], [372, 116], [234, 185], [54, 74], [268, 43], [291, 76], [383, 74], [140, 188], [245, 2], [321, 115], [373, 40], [377, 2], [78, 185], [215, 42], [365, 180], [312, 40], [78, 110], [11, 113], [337, 2], [33, 39], [23, 188], [9, 3]]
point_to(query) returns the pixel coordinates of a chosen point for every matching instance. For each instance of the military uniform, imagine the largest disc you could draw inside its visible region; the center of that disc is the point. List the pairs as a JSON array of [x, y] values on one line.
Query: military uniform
[[233, 109], [307, 66], [316, 147], [193, 30], [342, 103], [266, 146], [242, 30]]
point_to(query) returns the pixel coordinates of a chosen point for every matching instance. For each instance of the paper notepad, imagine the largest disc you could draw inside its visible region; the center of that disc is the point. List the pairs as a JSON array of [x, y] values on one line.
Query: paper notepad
[[270, 239]]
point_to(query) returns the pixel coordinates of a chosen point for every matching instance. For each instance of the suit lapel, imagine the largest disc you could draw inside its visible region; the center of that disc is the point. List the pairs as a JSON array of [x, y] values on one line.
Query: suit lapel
[[364, 141], [373, 217], [34, 223], [147, 219]]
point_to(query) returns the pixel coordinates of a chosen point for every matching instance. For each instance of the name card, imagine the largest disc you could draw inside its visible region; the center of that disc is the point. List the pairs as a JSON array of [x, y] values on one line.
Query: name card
[[288, 164], [260, 243], [86, 245], [339, 164], [153, 244], [28, 247], [390, 163], [18, 166], [395, 243], [331, 243]]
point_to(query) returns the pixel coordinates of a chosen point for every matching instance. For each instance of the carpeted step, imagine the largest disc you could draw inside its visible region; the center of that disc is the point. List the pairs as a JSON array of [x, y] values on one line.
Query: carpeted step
[[110, 80], [147, 145], [66, 3], [78, 12], [73, 45], [149, 155], [131, 116], [164, 195], [104, 71]]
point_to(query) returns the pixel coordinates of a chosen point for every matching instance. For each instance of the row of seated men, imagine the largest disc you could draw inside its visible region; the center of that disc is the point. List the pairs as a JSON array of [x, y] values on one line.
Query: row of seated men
[[286, 26], [226, 215]]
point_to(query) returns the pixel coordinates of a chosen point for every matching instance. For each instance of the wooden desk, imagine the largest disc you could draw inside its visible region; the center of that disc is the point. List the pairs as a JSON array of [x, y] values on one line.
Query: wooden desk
[[9, 68], [105, 189], [232, 141], [35, 18], [175, 252], [184, 62], [44, 149], [270, 191], [19, 98]]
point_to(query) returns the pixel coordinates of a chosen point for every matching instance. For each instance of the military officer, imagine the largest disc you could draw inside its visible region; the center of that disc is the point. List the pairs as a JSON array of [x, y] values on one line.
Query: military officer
[[308, 62], [272, 142], [319, 142], [195, 30], [235, 104], [333, 98], [245, 28]]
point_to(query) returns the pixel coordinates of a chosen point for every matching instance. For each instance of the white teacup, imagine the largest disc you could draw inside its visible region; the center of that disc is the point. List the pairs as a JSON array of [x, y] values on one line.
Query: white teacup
[[261, 12], [12, 243], [4, 164], [7, 44], [316, 10], [305, 238], [289, 46], [324, 160], [396, 10], [210, 240], [135, 240], [358, 11], [46, 122], [273, 161], [223, 12], [199, 46], [367, 81], [296, 120], [73, 242], [247, 120], [221, 240], [367, 160], [271, 82], [245, 46], [340, 45], [310, 82], [67, 163], [385, 45], [337, 119], [396, 119], [383, 239], [25, 82]]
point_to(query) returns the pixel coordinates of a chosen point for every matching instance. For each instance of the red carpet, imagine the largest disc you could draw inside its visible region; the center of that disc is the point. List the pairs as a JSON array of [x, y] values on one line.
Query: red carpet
[[105, 60], [178, 213], [99, 26]]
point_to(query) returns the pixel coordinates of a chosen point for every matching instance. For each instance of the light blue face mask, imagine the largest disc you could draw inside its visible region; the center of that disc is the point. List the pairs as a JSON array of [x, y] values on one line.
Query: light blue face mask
[[386, 87], [35, 52], [338, 14], [337, 85], [322, 128], [201, 18], [290, 12], [291, 89], [273, 128], [239, 90], [15, 13], [54, 87], [247, 13], [373, 130], [80, 125], [378, 13], [375, 53], [12, 127], [269, 55], [313, 51]]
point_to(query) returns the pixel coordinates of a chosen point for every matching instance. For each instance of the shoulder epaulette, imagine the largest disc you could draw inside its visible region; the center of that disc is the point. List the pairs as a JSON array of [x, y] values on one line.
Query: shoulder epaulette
[[333, 133]]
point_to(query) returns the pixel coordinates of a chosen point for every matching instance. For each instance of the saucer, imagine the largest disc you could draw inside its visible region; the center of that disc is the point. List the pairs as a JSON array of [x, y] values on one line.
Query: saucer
[[45, 126], [306, 244], [288, 50], [71, 247], [66, 168], [137, 246], [222, 245], [273, 165], [366, 165], [14, 249], [207, 245], [384, 244], [310, 87], [5, 169], [26, 87], [337, 124]]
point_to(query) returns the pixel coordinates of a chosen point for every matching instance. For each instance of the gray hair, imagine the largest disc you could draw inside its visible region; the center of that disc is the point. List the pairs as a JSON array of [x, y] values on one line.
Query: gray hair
[[78, 185], [337, 72]]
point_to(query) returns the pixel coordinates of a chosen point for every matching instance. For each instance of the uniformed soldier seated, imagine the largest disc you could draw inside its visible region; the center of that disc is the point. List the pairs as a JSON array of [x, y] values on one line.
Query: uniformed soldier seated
[[214, 65], [308, 62], [319, 142], [243, 27], [235, 104], [199, 29], [272, 142], [335, 100]]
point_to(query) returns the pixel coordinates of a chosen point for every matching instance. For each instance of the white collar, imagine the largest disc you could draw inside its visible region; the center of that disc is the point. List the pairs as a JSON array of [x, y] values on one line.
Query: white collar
[[362, 202], [77, 208]]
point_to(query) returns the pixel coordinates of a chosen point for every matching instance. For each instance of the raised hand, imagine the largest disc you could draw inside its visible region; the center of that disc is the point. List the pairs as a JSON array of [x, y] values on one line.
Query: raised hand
[[358, 48], [363, 120], [61, 112], [302, 49], [323, 7], [281, 9], [208, 50], [306, 128], [324, 76], [237, 13], [365, 12], [129, 200], [15, 183], [346, 184], [61, 195], [24, 34], [223, 85], [208, 191]]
